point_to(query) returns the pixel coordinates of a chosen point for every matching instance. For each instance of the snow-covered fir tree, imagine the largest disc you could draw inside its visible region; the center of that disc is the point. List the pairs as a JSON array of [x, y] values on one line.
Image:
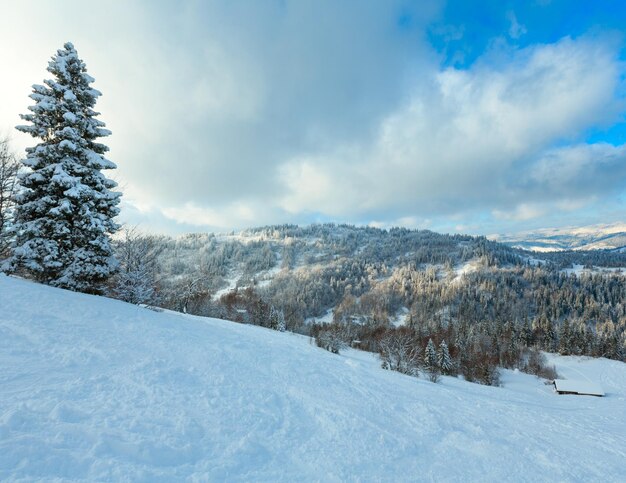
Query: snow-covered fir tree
[[281, 324], [277, 319], [66, 205], [443, 358], [430, 355], [430, 360]]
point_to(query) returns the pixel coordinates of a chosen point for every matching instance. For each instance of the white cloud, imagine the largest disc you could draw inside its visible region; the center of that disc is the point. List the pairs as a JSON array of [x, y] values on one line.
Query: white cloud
[[581, 169], [516, 30], [311, 183], [412, 222], [522, 212], [466, 139], [228, 114], [195, 215]]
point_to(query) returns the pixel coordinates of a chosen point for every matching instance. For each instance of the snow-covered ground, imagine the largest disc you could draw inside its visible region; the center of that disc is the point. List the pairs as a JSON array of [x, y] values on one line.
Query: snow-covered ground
[[265, 278], [592, 237], [579, 270], [231, 284], [464, 269], [401, 317], [327, 318], [99, 390]]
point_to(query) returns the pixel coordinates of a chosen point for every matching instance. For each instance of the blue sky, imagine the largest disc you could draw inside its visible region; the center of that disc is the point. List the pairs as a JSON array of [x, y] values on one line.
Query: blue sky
[[539, 21], [480, 117]]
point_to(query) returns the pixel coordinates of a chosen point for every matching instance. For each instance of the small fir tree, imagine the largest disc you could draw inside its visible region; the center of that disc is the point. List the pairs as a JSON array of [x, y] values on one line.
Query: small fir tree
[[430, 360], [277, 319], [281, 325], [443, 358], [565, 338], [273, 318], [65, 208]]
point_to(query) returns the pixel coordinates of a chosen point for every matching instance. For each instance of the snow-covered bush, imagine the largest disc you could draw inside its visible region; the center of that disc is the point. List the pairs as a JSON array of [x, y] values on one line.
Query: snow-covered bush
[[398, 351], [332, 338], [537, 364], [136, 280]]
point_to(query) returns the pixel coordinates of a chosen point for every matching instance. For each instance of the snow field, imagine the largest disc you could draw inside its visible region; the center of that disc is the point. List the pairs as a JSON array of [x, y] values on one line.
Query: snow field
[[96, 389]]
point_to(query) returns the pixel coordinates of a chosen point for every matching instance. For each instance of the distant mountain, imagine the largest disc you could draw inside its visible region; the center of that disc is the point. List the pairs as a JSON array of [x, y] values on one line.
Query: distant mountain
[[593, 237]]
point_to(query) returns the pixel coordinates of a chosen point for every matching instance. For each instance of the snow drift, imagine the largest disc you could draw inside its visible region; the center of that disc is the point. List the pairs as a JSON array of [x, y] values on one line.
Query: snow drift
[[96, 389]]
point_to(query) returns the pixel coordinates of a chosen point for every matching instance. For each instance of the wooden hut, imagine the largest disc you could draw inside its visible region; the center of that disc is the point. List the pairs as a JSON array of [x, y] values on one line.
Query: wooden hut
[[581, 388]]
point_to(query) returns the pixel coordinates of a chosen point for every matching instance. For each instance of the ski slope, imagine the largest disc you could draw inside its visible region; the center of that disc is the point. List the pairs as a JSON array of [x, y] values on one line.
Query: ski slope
[[96, 389]]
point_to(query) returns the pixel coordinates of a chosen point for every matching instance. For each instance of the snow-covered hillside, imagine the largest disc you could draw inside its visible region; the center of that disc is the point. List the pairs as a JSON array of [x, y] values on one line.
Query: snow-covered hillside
[[593, 237], [96, 389]]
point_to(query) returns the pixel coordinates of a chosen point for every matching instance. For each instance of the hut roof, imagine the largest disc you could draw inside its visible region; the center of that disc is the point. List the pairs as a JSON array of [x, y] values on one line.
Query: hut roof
[[569, 386]]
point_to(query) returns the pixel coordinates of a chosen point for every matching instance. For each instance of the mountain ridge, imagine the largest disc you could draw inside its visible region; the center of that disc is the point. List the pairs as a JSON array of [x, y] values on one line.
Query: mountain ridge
[[611, 236]]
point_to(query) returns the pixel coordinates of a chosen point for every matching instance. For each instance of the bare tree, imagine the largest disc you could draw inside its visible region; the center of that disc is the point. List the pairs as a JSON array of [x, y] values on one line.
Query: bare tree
[[332, 337], [138, 257], [9, 166], [399, 352]]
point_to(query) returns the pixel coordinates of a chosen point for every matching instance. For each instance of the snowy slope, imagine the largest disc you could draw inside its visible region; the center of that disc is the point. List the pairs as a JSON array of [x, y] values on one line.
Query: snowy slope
[[95, 389], [592, 237]]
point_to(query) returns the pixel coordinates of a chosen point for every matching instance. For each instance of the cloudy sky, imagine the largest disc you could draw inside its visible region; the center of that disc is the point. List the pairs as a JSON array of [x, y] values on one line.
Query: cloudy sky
[[480, 117]]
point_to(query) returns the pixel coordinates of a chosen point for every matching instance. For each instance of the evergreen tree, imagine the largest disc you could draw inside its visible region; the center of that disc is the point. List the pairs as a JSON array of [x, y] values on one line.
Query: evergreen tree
[[443, 358], [281, 325], [430, 360], [565, 338], [273, 318], [65, 209], [527, 334], [277, 319]]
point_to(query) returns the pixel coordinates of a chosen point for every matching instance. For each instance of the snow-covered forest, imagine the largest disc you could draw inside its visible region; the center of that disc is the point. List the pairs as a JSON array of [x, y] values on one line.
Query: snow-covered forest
[[491, 304]]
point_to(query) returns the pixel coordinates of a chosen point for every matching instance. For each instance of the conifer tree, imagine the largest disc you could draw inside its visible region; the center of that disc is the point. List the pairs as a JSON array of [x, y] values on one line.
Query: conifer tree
[[565, 337], [281, 326], [277, 319], [430, 359], [443, 358], [65, 208]]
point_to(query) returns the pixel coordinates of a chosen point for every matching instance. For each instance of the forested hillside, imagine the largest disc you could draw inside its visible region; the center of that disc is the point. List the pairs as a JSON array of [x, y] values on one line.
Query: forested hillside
[[489, 303], [592, 237]]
